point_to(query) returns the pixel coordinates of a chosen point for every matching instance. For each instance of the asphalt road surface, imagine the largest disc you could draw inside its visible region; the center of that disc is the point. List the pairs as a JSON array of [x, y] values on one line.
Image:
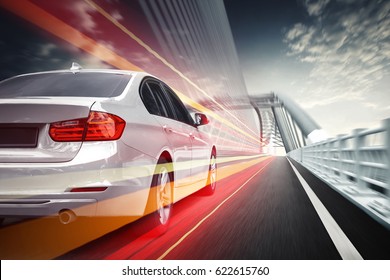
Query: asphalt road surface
[[261, 212]]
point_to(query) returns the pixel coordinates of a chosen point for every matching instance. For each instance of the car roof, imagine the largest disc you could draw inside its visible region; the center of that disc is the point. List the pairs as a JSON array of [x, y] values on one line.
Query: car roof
[[112, 71], [134, 75]]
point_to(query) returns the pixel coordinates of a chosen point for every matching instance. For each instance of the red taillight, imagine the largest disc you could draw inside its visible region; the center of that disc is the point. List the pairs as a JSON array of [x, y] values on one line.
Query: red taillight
[[99, 126], [89, 189], [104, 126], [68, 131]]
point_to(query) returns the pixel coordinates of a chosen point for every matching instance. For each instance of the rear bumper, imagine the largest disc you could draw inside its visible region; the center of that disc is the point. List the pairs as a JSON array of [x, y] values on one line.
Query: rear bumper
[[128, 199], [43, 189], [46, 207]]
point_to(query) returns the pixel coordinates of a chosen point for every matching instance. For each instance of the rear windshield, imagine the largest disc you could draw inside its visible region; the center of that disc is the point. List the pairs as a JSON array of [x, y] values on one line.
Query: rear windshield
[[65, 84]]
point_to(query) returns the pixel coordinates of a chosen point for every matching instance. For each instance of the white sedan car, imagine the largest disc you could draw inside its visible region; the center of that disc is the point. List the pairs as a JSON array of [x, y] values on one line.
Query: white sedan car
[[98, 143]]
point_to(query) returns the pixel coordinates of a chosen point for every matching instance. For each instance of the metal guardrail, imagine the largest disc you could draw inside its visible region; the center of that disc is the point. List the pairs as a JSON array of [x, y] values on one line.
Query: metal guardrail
[[356, 165]]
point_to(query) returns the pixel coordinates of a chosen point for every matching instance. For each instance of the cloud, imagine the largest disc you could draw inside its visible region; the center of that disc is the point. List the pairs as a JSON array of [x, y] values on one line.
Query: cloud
[[92, 62], [116, 15], [298, 38], [296, 32], [84, 12], [348, 47], [315, 7], [84, 16], [46, 49]]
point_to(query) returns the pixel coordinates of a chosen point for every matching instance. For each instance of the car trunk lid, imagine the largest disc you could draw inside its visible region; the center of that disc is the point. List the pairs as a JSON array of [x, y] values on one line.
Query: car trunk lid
[[24, 128]]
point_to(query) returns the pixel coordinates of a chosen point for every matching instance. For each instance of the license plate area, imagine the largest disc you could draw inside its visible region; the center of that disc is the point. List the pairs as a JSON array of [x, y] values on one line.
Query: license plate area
[[18, 137]]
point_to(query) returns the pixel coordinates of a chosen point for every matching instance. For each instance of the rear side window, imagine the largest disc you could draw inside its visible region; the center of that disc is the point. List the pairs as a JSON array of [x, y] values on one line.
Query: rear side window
[[153, 96], [160, 100], [150, 101], [65, 84], [181, 111]]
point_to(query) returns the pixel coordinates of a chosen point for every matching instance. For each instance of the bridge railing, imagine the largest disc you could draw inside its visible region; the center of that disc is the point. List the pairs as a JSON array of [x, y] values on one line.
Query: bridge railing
[[356, 165]]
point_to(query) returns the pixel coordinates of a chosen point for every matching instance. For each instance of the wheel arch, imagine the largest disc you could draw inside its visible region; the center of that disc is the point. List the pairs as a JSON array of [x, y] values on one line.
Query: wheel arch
[[168, 157], [165, 157], [214, 150]]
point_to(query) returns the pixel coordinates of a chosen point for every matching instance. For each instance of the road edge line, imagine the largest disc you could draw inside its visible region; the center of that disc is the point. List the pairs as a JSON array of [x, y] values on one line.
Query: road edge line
[[343, 245]]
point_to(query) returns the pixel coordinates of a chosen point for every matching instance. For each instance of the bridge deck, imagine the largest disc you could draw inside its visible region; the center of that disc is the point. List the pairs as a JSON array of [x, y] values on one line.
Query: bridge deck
[[269, 217]]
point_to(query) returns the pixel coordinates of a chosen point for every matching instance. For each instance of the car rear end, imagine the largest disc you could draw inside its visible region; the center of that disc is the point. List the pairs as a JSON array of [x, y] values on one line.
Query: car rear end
[[61, 152]]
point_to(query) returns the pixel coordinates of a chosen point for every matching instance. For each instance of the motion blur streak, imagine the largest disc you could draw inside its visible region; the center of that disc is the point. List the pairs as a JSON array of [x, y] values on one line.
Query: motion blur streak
[[185, 222], [117, 174], [211, 213], [149, 49], [46, 238], [41, 18], [203, 109]]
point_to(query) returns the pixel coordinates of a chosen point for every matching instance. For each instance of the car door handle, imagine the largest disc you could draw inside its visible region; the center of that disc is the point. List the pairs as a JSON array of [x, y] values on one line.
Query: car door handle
[[167, 129]]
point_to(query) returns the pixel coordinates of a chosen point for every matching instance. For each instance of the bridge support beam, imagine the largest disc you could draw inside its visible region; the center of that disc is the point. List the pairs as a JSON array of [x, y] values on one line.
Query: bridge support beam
[[306, 124]]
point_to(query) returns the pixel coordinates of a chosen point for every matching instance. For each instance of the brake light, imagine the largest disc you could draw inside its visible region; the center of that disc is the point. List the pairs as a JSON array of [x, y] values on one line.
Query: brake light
[[68, 131], [99, 126], [89, 189]]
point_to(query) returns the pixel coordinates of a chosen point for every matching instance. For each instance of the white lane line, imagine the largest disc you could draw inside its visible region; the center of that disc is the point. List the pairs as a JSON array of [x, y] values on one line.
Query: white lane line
[[210, 214], [343, 245]]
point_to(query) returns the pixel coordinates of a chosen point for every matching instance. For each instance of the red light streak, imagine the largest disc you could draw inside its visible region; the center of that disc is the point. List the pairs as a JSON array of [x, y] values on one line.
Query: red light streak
[[190, 212]]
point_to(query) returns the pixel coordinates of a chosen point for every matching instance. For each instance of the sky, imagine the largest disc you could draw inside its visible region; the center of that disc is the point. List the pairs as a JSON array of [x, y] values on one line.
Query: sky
[[331, 56]]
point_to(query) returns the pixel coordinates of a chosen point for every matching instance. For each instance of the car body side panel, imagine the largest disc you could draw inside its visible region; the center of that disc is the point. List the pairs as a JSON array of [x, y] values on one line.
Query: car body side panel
[[180, 143], [201, 150]]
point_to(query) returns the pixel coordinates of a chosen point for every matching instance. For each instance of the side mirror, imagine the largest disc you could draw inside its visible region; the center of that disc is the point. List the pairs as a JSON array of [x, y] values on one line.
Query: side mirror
[[201, 119]]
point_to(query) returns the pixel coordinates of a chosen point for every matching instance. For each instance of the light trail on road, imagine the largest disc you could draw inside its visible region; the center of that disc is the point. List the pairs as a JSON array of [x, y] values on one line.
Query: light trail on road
[[46, 238]]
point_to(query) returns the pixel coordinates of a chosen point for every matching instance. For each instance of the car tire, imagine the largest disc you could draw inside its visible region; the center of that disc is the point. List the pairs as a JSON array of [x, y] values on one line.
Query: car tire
[[161, 196], [211, 183]]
